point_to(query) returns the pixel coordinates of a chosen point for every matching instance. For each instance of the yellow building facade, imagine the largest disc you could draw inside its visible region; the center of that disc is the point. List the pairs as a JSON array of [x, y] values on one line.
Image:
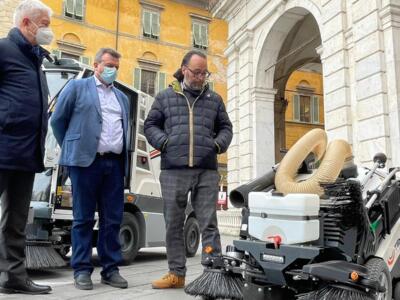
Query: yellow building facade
[[305, 105], [152, 37]]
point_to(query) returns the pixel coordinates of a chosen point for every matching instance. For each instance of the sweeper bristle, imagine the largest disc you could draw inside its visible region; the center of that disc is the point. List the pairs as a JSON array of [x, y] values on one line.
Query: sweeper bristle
[[335, 292], [217, 283], [42, 256]]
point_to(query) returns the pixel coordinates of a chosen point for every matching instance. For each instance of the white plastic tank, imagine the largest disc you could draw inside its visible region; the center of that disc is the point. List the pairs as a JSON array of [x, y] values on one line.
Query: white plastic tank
[[293, 217]]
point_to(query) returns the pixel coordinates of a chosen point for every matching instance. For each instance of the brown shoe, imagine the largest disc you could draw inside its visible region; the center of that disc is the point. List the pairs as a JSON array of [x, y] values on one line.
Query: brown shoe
[[169, 281]]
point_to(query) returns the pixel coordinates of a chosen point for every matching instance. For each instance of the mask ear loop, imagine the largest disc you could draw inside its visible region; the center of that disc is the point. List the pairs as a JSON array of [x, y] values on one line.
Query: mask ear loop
[[37, 27]]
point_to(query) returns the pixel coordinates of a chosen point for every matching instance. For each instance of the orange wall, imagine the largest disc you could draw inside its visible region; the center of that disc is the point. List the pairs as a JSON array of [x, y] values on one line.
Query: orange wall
[[294, 129], [98, 29]]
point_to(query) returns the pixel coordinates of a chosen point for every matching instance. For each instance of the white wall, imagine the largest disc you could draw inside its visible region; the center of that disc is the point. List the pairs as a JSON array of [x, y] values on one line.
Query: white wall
[[360, 55]]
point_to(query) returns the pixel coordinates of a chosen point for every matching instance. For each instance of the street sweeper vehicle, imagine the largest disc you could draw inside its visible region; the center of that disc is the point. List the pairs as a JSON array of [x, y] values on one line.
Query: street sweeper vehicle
[[50, 220], [315, 227]]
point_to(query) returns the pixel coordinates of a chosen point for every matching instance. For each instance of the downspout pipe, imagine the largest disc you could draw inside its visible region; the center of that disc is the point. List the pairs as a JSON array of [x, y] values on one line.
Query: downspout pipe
[[117, 29]]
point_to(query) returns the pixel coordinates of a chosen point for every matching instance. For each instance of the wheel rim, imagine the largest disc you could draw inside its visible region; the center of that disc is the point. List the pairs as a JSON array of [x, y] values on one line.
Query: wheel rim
[[127, 238], [192, 237], [383, 281]]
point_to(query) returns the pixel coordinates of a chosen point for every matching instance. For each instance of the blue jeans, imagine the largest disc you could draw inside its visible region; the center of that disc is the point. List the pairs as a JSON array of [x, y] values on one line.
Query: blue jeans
[[101, 183]]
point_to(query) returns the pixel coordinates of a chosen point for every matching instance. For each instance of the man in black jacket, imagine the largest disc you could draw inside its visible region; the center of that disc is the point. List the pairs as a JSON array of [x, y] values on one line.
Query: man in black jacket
[[23, 127], [188, 123]]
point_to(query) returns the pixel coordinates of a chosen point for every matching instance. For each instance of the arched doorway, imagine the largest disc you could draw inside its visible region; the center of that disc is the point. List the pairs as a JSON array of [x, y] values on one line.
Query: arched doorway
[[292, 43]]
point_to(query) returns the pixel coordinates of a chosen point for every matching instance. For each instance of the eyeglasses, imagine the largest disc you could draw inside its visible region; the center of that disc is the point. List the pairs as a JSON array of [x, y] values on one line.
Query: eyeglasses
[[197, 74]]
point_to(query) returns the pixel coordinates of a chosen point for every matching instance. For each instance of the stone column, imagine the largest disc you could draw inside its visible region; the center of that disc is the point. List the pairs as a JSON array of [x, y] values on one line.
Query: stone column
[[335, 65], [233, 111], [263, 144], [371, 112], [245, 107], [390, 18]]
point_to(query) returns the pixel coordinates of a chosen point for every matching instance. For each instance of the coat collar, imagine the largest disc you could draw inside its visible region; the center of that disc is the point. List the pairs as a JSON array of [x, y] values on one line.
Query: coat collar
[[18, 38], [177, 87]]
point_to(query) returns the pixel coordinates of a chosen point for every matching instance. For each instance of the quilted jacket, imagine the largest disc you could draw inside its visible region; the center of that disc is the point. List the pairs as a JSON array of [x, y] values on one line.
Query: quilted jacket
[[188, 135]]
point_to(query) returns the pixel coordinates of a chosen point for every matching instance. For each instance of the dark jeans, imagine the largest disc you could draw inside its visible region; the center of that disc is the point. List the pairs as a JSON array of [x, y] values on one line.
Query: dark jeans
[[15, 195], [101, 183], [175, 186]]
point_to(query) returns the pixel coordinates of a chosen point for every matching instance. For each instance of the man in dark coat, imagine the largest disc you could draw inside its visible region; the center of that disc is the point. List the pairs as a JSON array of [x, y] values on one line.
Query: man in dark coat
[[188, 123], [23, 127]]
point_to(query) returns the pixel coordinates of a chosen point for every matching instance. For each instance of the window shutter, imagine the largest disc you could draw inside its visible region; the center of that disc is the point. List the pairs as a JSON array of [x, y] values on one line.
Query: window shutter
[[196, 34], [69, 6], [147, 23], [315, 109], [204, 35], [296, 107], [56, 53], [79, 4], [85, 60], [136, 78], [155, 24], [211, 85], [161, 81]]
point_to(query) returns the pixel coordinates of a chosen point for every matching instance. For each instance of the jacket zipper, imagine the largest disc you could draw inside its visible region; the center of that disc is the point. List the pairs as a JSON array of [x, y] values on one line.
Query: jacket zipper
[[191, 126]]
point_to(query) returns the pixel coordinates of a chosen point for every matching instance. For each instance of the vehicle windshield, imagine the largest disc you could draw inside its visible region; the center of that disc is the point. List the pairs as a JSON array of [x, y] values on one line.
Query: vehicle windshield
[[56, 80], [41, 186]]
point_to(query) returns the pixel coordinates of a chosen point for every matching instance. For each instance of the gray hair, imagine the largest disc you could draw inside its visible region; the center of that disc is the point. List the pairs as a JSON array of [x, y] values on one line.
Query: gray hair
[[30, 9], [103, 51]]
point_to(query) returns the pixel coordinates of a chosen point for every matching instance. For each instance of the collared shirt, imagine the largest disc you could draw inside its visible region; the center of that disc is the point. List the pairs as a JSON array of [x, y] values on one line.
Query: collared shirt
[[111, 137]]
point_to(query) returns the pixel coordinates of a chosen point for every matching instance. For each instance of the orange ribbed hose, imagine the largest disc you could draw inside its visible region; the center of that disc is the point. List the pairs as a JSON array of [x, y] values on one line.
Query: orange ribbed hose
[[314, 141]]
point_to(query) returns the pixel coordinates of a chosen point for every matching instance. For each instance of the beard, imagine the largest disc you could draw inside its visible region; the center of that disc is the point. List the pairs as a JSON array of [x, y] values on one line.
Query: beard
[[195, 86]]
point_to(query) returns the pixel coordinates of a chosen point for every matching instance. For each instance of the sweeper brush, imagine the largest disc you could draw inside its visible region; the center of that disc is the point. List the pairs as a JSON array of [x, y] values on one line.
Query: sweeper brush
[[336, 292], [217, 284], [41, 255]]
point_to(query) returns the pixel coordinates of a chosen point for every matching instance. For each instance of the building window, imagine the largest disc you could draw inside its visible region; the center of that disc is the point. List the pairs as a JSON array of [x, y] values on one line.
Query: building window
[[151, 24], [149, 82], [71, 56], [200, 34], [74, 9], [306, 108]]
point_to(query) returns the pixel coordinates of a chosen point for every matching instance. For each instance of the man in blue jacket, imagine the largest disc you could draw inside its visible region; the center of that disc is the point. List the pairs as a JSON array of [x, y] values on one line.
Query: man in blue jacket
[[23, 127], [90, 122], [188, 123]]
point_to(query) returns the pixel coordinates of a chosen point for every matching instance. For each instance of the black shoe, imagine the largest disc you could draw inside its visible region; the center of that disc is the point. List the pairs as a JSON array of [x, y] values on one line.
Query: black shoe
[[115, 280], [24, 287], [83, 282]]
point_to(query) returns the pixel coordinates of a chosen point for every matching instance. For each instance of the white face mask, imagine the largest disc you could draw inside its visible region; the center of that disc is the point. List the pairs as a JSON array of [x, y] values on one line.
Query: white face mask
[[44, 35]]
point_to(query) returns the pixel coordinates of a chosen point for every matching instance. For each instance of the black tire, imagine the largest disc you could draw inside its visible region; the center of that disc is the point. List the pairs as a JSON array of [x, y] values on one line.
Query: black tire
[[191, 233], [378, 270], [129, 236], [396, 295]]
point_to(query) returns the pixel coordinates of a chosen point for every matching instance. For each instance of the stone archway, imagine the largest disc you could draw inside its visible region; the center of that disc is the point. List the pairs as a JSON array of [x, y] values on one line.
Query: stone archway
[[292, 41]]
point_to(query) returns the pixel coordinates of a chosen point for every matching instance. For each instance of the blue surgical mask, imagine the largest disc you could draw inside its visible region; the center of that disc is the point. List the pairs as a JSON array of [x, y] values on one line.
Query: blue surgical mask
[[109, 74]]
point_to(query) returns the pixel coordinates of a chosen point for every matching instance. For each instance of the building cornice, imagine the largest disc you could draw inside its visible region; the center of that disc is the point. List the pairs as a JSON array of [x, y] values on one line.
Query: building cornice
[[149, 64], [200, 17], [263, 94], [227, 9], [151, 5], [390, 16]]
